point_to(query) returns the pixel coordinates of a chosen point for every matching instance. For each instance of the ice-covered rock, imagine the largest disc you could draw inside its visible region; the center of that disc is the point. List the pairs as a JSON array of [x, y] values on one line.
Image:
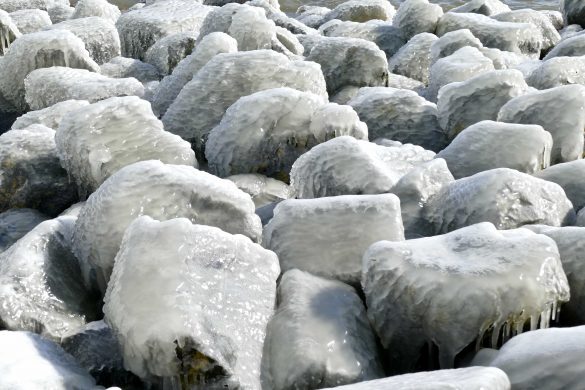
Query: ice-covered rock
[[462, 65], [504, 197], [573, 12], [30, 20], [207, 48], [506, 59], [28, 361], [203, 320], [162, 192], [15, 223], [504, 279], [95, 141], [558, 71], [570, 31], [17, 5], [487, 145], [543, 359], [414, 59], [555, 17], [346, 166], [42, 49], [472, 378], [451, 42], [42, 288], [549, 33], [312, 15], [580, 218], [225, 78], [122, 67], [522, 38], [263, 190], [101, 8], [570, 47], [141, 28], [267, 131], [400, 115], [560, 111], [570, 176], [60, 13], [167, 52], [328, 316], [48, 86], [328, 236], [50, 116], [8, 31], [361, 11], [483, 7], [417, 16], [281, 19], [462, 104], [30, 173]]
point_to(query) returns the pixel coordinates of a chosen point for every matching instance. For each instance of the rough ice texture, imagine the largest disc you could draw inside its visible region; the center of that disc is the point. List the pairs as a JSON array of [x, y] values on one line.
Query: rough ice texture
[[281, 19], [319, 336], [570, 176], [15, 223], [350, 61], [570, 47], [387, 37], [8, 32], [417, 16], [42, 49], [207, 48], [30, 173], [48, 86], [311, 15], [504, 279], [555, 17], [504, 197], [549, 33], [30, 20], [202, 102], [487, 145], [262, 189], [328, 236], [452, 41], [101, 8], [399, 115], [60, 13], [95, 141], [414, 59], [122, 67], [544, 359], [479, 98], [361, 11], [570, 31], [141, 28], [202, 321], [50, 116], [573, 12], [522, 38], [29, 361], [558, 71], [346, 166], [16, 5], [472, 378], [162, 192], [42, 288], [98, 34], [560, 111], [462, 65], [483, 7], [267, 131], [167, 52]]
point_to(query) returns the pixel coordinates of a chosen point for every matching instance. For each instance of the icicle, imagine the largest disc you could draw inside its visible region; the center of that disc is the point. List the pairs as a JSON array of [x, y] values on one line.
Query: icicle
[[554, 310], [533, 322], [519, 327], [505, 333], [496, 335]]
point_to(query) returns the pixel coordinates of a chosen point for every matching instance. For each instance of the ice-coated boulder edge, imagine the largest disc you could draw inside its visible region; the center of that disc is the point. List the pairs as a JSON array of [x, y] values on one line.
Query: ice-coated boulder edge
[[50, 116], [16, 223], [263, 190]]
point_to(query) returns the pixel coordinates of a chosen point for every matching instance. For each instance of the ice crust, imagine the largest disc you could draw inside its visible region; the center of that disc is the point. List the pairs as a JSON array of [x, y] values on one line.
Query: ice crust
[[361, 11], [483, 7], [417, 16], [414, 59], [95, 141], [167, 52], [558, 71], [570, 176], [330, 317], [30, 20], [50, 116], [17, 5], [263, 190], [122, 67], [101, 8], [16, 223], [8, 31], [549, 33], [48, 86], [203, 318], [570, 47], [452, 41], [267, 131], [163, 192], [502, 279]]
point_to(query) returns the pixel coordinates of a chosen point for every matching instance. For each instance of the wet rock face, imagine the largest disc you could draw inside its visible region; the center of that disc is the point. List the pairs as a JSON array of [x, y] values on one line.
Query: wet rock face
[[15, 223]]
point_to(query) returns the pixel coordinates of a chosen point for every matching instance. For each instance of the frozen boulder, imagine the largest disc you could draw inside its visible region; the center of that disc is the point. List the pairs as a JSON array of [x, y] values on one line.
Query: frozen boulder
[[42, 49], [101, 8], [573, 12], [141, 28], [570, 47], [504, 197], [204, 319], [506, 279], [167, 52], [48, 86], [50, 116], [558, 71], [28, 361], [16, 223], [361, 11], [346, 166], [462, 104], [451, 42], [122, 67], [281, 19], [8, 32], [570, 176], [328, 236], [414, 59], [225, 78], [399, 115], [60, 13], [17, 5], [95, 141], [42, 288], [207, 48], [263, 190], [555, 17], [312, 15], [328, 316], [488, 145], [30, 173], [560, 111], [162, 192], [417, 16], [483, 7], [267, 131], [30, 20], [549, 33]]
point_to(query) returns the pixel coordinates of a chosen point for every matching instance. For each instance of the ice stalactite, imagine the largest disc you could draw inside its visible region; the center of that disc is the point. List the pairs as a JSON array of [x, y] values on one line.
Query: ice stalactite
[[8, 32]]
